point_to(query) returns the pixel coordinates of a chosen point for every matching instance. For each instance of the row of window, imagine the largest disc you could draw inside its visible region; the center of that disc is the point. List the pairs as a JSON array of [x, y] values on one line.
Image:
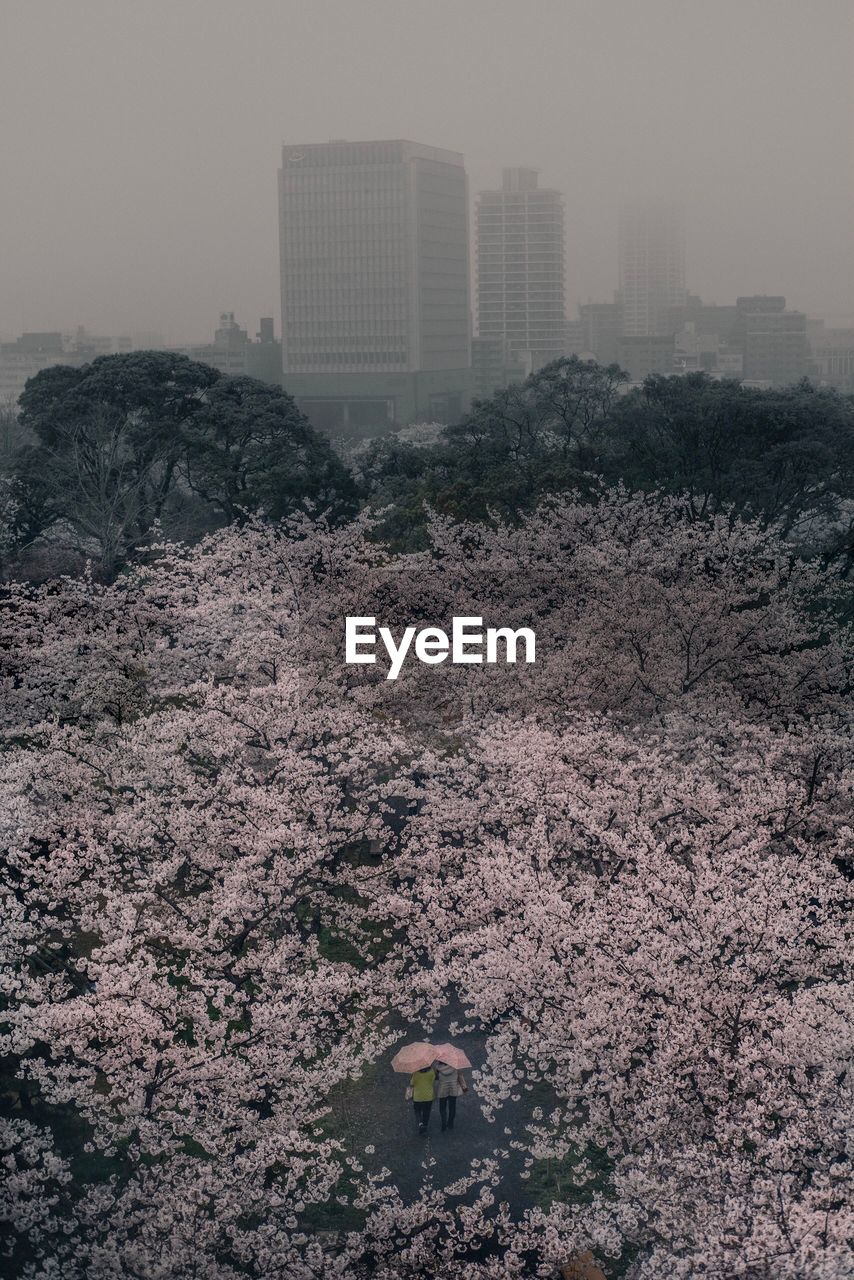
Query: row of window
[[354, 346], [346, 357], [391, 274], [515, 276], [533, 250], [356, 314]]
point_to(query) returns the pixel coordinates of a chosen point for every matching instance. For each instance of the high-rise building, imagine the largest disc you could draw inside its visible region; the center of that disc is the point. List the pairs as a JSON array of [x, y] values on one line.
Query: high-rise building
[[652, 268], [376, 325], [520, 268]]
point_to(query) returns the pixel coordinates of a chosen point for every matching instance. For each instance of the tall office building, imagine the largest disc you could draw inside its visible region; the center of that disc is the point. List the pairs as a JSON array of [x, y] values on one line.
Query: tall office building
[[375, 281], [520, 268], [652, 268]]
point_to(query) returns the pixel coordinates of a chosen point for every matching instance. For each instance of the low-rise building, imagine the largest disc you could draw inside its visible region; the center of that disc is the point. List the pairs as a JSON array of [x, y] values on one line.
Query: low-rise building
[[232, 352], [831, 355], [642, 356], [772, 340], [602, 323], [31, 352], [236, 355], [694, 351], [730, 365], [575, 339], [706, 318]]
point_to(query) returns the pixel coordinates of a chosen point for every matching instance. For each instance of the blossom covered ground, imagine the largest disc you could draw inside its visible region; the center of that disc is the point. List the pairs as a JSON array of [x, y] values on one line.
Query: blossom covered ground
[[233, 865]]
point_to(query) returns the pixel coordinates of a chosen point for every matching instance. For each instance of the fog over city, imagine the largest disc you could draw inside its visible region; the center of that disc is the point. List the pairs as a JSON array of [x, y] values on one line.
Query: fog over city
[[141, 141], [426, 639]]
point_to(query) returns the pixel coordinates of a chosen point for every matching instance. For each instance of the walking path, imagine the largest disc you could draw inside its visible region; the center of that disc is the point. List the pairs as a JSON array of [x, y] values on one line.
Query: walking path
[[374, 1113]]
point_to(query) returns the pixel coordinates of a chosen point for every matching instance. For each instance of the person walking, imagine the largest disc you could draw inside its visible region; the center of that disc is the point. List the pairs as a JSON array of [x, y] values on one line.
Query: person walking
[[423, 1083], [450, 1083]]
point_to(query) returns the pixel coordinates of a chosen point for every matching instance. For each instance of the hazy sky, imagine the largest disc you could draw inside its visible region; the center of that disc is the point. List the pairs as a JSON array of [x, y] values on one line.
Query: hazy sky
[[140, 138]]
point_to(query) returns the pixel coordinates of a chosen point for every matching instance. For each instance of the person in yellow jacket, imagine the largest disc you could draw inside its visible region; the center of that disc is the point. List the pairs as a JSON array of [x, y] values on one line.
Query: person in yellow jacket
[[422, 1084]]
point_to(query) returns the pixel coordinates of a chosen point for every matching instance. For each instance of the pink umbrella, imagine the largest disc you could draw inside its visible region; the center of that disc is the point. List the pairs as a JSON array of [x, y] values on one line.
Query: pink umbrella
[[413, 1057], [451, 1054]]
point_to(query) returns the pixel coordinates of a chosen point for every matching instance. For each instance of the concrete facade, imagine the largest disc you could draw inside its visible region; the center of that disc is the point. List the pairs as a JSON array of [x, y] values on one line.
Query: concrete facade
[[772, 340], [652, 268], [492, 368], [234, 353], [602, 323], [521, 267], [356, 402], [31, 352], [831, 355], [641, 356], [374, 272]]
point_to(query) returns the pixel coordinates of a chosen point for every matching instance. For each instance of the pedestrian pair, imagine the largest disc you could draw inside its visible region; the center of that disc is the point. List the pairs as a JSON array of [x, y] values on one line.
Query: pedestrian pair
[[438, 1081]]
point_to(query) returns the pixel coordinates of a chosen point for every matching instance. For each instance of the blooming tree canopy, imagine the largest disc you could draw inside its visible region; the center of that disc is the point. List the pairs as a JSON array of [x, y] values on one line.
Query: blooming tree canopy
[[229, 859]]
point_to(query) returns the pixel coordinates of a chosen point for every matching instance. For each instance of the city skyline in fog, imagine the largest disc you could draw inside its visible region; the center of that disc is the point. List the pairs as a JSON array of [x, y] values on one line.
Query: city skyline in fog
[[140, 176]]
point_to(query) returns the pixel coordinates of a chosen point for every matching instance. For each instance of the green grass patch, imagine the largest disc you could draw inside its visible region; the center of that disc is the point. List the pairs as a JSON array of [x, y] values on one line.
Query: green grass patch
[[565, 1181]]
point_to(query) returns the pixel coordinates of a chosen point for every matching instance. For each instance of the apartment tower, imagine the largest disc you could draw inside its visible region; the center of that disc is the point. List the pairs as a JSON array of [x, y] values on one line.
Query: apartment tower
[[520, 268], [652, 268]]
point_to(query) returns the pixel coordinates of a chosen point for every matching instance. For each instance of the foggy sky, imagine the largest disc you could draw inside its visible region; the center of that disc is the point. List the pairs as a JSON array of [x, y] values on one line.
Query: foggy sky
[[140, 138]]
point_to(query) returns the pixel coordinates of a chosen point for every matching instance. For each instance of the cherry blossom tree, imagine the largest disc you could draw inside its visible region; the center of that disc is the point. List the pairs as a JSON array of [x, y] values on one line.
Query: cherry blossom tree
[[639, 609], [180, 835], [661, 935], [228, 857]]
